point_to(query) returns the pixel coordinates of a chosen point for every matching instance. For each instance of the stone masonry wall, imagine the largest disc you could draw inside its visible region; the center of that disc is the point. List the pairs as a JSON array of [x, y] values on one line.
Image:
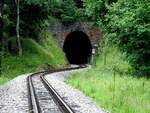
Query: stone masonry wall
[[60, 31]]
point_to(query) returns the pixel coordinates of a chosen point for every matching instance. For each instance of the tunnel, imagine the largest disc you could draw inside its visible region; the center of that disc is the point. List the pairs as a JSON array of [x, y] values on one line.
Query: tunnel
[[77, 48]]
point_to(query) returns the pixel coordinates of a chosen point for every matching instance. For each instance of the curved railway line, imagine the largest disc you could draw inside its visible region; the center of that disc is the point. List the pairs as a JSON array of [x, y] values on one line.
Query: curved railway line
[[43, 98]]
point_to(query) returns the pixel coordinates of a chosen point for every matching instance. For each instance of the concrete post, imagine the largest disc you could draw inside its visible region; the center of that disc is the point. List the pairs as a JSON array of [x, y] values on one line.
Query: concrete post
[[94, 52], [93, 60]]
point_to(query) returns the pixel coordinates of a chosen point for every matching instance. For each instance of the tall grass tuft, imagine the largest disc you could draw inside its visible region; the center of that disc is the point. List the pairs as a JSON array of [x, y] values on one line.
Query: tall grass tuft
[[111, 85]]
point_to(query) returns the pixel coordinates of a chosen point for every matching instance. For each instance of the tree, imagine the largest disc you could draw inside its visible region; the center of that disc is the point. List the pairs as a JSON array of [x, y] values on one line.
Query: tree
[[17, 28], [1, 34], [130, 21], [20, 19], [67, 11], [1, 24], [30, 12], [97, 9], [34, 14], [127, 24]]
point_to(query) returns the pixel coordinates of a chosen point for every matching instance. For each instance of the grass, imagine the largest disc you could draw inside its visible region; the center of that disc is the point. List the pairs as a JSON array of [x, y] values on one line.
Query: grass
[[110, 85], [50, 45], [35, 57]]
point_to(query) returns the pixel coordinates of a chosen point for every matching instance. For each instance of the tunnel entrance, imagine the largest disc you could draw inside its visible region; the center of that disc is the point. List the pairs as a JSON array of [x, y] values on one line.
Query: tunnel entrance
[[77, 48]]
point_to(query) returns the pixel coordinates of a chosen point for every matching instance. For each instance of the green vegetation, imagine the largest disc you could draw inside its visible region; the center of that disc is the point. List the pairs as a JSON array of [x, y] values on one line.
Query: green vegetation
[[30, 15], [111, 86], [67, 11], [35, 57], [39, 49], [127, 24], [50, 44]]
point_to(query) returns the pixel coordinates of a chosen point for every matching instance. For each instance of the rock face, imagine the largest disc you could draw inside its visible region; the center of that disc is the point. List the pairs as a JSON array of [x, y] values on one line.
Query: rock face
[[61, 31]]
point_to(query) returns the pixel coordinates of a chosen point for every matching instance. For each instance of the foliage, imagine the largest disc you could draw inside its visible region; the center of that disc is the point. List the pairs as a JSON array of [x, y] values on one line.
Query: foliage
[[34, 15], [30, 16], [125, 94], [127, 24], [67, 11], [130, 21], [95, 9], [51, 46], [35, 57]]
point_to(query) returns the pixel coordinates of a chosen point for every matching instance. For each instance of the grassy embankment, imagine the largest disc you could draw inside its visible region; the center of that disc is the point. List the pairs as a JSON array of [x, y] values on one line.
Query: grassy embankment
[[35, 57], [111, 87]]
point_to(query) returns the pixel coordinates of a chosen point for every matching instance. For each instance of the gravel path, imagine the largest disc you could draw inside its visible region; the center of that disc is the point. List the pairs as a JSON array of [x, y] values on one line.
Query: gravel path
[[13, 96]]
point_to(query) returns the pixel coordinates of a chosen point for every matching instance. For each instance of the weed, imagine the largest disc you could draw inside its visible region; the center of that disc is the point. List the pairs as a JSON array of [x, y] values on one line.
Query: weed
[[112, 87]]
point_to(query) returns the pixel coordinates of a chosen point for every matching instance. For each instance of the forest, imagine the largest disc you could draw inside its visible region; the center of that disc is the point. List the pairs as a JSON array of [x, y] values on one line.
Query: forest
[[124, 23], [124, 49]]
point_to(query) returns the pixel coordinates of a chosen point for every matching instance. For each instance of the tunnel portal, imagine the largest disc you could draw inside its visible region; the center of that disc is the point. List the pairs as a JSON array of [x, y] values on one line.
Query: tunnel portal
[[77, 48]]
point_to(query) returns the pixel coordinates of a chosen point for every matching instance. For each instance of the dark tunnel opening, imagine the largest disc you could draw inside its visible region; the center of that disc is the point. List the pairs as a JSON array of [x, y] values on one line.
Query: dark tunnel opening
[[77, 48]]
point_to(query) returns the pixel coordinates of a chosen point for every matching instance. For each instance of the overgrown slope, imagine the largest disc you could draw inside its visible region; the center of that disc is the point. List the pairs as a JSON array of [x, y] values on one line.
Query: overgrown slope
[[35, 57]]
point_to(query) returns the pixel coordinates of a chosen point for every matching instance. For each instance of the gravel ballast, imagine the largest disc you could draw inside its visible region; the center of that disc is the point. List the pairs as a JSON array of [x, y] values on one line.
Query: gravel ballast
[[14, 95], [73, 97]]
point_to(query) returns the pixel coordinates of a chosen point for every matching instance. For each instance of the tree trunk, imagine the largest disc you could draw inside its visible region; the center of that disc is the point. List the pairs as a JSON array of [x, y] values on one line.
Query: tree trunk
[[17, 30], [1, 36]]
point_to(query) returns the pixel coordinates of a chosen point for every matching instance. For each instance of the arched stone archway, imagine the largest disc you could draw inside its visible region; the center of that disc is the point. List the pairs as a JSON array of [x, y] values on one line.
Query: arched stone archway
[[60, 31], [77, 47]]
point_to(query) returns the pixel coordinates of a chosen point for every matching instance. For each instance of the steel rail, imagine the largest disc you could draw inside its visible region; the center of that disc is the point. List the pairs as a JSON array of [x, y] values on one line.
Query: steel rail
[[32, 98], [34, 106], [64, 107]]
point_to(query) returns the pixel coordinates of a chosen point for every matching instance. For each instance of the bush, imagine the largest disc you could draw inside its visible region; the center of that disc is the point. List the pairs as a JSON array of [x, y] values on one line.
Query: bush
[[67, 11], [127, 23], [129, 20]]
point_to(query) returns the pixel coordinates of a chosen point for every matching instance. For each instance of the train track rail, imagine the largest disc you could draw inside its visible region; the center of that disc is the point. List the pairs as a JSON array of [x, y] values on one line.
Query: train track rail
[[43, 98]]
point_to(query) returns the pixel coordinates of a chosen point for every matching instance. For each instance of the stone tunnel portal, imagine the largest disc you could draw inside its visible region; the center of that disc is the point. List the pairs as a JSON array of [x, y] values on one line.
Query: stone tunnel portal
[[78, 48]]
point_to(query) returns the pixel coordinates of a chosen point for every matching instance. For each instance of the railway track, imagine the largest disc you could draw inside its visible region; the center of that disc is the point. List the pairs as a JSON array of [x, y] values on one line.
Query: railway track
[[43, 98]]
